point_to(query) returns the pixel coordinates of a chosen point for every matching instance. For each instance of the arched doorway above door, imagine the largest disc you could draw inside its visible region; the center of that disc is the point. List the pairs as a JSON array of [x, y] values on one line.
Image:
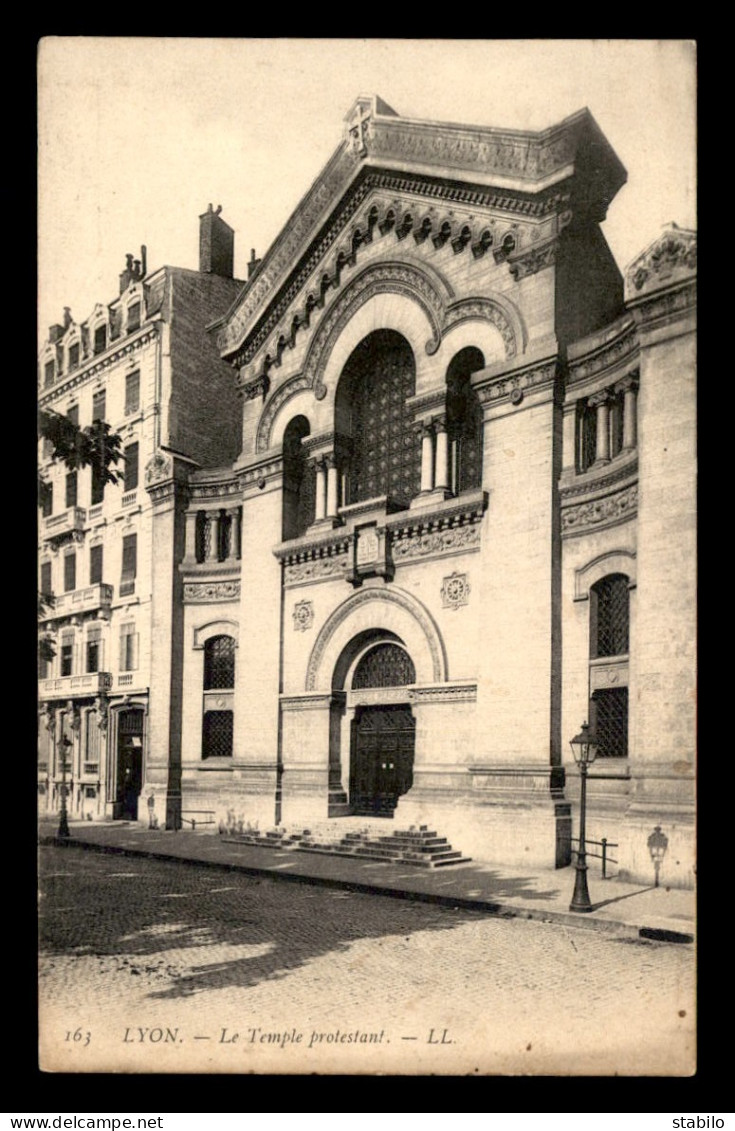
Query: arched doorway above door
[[382, 734]]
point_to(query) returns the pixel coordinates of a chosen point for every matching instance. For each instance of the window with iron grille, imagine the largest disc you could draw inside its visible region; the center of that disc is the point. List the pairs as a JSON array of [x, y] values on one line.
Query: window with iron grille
[[99, 406], [219, 663], [70, 573], [217, 730], [129, 564], [48, 374], [46, 585], [609, 711], [100, 339], [464, 420], [46, 492], [609, 616], [71, 489], [73, 356], [128, 661], [130, 454], [379, 377], [132, 392], [95, 565], [133, 317], [385, 665]]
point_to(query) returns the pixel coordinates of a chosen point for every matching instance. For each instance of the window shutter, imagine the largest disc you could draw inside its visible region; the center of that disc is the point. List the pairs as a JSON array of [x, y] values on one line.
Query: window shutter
[[46, 577], [71, 489], [95, 565], [70, 572], [131, 467], [132, 392], [134, 655], [98, 406]]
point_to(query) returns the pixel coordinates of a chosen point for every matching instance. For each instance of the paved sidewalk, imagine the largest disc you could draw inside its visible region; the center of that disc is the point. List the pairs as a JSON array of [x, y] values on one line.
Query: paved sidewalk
[[618, 907]]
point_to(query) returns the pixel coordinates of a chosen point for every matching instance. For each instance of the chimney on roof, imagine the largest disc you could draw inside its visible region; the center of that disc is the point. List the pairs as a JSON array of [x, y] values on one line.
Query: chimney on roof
[[127, 274], [67, 317], [253, 263], [216, 244], [55, 332], [143, 261]]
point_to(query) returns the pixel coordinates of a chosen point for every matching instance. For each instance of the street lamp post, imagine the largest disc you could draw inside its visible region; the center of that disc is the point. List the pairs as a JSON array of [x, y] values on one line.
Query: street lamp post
[[658, 842], [584, 749], [63, 832]]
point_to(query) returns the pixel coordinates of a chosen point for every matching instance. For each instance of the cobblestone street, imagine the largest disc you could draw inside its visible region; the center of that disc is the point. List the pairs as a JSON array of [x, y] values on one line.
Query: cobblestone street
[[153, 966]]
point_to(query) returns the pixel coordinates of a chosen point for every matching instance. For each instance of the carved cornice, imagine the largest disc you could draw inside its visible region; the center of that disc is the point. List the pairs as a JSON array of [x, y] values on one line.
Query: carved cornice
[[535, 206], [619, 352], [257, 387], [208, 592], [222, 490], [316, 569], [588, 483], [660, 309], [513, 386], [445, 693], [101, 362], [597, 513]]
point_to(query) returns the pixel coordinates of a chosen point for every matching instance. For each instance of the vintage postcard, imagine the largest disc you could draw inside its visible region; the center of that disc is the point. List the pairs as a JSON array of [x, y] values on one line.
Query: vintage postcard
[[367, 556]]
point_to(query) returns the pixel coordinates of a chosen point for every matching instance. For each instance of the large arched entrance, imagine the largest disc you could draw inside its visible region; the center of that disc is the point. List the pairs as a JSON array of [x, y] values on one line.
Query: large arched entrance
[[383, 733]]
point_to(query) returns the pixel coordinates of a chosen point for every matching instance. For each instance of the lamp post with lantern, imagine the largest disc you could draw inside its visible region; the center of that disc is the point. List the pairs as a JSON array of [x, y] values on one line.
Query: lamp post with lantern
[[63, 832], [584, 749]]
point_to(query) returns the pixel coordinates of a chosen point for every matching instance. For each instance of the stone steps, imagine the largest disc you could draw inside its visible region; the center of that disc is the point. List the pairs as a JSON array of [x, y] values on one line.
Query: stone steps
[[421, 846]]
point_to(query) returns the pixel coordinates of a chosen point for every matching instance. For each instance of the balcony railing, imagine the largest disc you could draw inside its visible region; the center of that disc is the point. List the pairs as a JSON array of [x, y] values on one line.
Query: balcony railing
[[57, 525], [68, 686], [80, 601], [128, 499]]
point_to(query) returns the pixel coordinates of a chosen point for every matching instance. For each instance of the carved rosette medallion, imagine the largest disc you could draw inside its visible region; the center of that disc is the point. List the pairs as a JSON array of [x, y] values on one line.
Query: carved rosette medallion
[[303, 615], [455, 590], [158, 468]]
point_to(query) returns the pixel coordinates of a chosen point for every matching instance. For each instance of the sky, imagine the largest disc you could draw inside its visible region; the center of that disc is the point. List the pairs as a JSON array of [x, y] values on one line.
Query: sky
[[137, 135]]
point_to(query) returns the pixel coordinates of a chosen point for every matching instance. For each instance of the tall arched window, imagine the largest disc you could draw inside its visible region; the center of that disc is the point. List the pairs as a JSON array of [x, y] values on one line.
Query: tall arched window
[[464, 420], [380, 375], [609, 641], [298, 480]]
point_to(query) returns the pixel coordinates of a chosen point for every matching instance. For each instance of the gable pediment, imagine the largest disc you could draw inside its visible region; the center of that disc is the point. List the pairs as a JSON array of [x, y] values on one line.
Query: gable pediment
[[518, 173]]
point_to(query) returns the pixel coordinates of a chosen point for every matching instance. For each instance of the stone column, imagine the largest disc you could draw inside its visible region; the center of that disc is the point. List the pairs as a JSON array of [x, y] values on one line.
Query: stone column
[[441, 475], [427, 458], [629, 386], [569, 442], [233, 513], [211, 538], [332, 484], [600, 401], [320, 502], [191, 536]]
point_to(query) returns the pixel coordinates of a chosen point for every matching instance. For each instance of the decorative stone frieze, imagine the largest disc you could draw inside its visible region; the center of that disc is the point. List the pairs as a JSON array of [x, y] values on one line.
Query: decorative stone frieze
[[303, 615], [203, 592], [445, 693], [455, 591], [502, 388], [619, 352], [606, 511], [454, 541]]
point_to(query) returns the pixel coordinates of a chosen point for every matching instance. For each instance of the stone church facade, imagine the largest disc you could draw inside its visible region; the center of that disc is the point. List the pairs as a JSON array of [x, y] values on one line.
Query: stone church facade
[[462, 520]]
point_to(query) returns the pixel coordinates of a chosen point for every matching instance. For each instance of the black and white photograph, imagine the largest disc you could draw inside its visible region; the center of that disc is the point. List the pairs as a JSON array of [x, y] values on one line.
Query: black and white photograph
[[367, 556]]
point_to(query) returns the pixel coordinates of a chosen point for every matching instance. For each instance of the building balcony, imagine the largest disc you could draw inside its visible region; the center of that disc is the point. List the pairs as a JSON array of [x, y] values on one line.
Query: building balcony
[[65, 523], [89, 600], [74, 686]]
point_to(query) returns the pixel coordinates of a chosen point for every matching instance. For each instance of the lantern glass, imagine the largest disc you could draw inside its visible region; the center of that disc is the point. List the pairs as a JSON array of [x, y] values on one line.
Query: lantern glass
[[584, 746]]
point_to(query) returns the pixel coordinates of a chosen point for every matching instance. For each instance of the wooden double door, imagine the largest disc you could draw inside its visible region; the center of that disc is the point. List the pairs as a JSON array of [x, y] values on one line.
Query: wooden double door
[[381, 763]]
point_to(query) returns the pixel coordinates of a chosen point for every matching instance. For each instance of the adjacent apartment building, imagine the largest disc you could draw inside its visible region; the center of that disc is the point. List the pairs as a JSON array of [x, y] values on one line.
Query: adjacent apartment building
[[144, 363]]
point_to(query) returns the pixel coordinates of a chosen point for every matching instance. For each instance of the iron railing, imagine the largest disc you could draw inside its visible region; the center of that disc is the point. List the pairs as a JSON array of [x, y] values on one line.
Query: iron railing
[[604, 856]]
